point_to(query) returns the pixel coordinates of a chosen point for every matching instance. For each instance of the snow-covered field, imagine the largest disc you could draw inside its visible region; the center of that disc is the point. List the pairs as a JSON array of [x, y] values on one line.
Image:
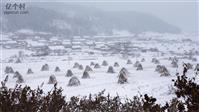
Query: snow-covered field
[[139, 82]]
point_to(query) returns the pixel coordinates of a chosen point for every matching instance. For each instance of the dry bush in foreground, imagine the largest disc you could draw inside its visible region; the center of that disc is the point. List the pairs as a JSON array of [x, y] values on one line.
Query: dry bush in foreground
[[25, 99]]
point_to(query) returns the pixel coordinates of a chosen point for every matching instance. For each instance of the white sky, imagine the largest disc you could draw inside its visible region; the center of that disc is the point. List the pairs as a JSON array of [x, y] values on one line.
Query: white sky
[[181, 13], [184, 14]]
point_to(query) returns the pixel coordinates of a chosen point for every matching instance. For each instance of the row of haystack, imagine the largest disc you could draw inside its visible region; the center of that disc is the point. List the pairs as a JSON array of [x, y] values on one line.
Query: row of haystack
[[45, 67], [69, 73], [74, 81], [159, 68]]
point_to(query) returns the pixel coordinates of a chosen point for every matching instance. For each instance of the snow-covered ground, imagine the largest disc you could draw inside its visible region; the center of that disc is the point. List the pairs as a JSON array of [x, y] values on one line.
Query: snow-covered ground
[[139, 82]]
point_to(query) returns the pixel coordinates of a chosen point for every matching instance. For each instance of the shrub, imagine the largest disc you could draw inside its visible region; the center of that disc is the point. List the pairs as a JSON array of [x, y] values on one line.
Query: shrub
[[189, 90], [25, 99]]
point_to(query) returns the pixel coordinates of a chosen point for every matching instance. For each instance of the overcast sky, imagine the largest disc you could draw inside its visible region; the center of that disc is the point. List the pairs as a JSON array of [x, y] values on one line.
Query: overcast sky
[[181, 13]]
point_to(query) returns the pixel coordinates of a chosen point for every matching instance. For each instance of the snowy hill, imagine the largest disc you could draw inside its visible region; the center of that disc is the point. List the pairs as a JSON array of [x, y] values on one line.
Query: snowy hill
[[82, 21]]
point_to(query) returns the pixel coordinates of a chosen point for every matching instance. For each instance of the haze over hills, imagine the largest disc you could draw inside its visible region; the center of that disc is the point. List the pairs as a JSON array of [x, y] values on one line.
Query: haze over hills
[[85, 21], [88, 50]]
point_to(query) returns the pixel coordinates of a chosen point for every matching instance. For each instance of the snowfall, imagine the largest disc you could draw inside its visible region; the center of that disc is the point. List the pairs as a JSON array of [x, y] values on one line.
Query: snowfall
[[146, 81]]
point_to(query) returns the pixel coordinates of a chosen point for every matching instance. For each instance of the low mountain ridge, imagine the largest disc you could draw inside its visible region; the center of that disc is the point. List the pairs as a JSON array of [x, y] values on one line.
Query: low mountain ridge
[[84, 22]]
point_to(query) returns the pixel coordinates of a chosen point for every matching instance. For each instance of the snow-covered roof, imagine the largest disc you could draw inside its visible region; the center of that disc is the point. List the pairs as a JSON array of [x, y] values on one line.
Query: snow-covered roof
[[54, 38], [56, 47], [11, 42], [78, 43], [66, 42], [25, 31], [34, 43], [75, 47]]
